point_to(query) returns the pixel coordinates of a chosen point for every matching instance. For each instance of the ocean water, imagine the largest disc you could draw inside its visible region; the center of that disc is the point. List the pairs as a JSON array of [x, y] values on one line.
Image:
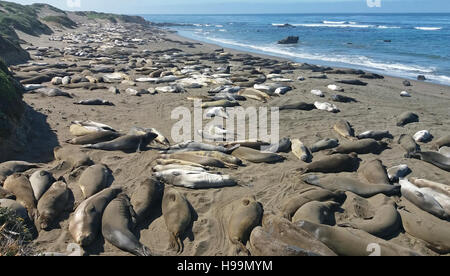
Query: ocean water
[[420, 43]]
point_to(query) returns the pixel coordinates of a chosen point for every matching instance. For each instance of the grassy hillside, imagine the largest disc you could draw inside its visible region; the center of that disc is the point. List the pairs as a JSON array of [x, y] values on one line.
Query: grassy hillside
[[61, 20], [113, 18]]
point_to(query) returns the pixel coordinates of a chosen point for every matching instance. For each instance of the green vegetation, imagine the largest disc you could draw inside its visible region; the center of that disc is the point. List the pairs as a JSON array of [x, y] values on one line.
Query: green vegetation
[[15, 237], [62, 20], [113, 18]]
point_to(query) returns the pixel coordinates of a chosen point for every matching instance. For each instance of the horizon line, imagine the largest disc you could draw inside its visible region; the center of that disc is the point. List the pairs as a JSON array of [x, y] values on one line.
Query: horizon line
[[283, 13]]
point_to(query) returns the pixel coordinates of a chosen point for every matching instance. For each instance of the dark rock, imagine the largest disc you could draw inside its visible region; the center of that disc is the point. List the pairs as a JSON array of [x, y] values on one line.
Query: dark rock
[[406, 83], [421, 78], [289, 40]]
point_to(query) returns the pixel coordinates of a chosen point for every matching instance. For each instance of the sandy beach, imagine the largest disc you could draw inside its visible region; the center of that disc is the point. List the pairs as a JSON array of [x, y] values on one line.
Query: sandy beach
[[377, 108]]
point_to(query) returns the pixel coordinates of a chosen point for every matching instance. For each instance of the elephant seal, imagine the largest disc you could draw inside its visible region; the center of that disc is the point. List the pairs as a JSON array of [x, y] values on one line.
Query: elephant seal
[[301, 151], [52, 204], [433, 231], [246, 215], [445, 151], [197, 159], [374, 172], [195, 179], [20, 186], [145, 197], [343, 99], [10, 167], [177, 216], [284, 145], [93, 180], [344, 129], [351, 184], [317, 212], [375, 134], [287, 232], [442, 142], [15, 207], [195, 146], [423, 183], [292, 204], [324, 144], [298, 106], [422, 199], [226, 158], [435, 158], [117, 223], [161, 168], [353, 242], [397, 172], [4, 194], [408, 144], [127, 143], [94, 138], [40, 182], [333, 164], [264, 244], [85, 222], [254, 144], [377, 215], [364, 146], [407, 118], [74, 157], [256, 156]]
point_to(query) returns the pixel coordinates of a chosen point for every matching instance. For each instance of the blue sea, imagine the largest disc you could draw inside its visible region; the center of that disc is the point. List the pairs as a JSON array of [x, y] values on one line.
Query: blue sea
[[419, 43]]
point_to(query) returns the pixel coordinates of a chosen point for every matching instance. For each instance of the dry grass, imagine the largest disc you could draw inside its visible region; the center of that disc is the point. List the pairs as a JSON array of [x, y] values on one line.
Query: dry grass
[[14, 235]]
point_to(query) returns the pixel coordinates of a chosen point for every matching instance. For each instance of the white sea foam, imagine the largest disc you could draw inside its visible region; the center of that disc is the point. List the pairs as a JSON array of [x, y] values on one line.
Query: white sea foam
[[334, 22], [428, 28], [388, 27], [320, 25]]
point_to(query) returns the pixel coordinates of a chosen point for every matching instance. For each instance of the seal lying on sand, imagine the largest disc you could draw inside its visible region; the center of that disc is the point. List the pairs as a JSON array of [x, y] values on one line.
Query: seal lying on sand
[[287, 232], [351, 184], [377, 215], [94, 138], [256, 156], [344, 129], [317, 212], [324, 144], [93, 180], [333, 164], [246, 216], [195, 146], [177, 216], [197, 159], [435, 232], [52, 204], [73, 156], [85, 222], [4, 194], [298, 106], [292, 204], [117, 223], [10, 167], [145, 197], [374, 172], [20, 186], [435, 158], [353, 242], [408, 144], [442, 142], [375, 134], [128, 143], [40, 182], [195, 179], [398, 172], [301, 151], [423, 183], [364, 146], [422, 199], [407, 118]]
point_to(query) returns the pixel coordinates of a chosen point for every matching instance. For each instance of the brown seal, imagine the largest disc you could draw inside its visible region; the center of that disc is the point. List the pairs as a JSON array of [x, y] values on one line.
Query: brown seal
[[363, 146], [246, 215], [317, 212], [333, 164], [20, 186], [177, 216], [93, 180], [146, 197], [374, 172], [54, 201]]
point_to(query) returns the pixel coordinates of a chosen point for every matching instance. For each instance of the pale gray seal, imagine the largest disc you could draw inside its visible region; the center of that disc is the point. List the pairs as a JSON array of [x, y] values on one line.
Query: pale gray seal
[[284, 145], [442, 142], [324, 144], [117, 223], [54, 201], [10, 167], [93, 180], [177, 216], [301, 151], [333, 164], [435, 158], [195, 179], [146, 197], [195, 146], [40, 182], [128, 143], [375, 134], [351, 184], [245, 217], [94, 138], [344, 129], [85, 222]]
